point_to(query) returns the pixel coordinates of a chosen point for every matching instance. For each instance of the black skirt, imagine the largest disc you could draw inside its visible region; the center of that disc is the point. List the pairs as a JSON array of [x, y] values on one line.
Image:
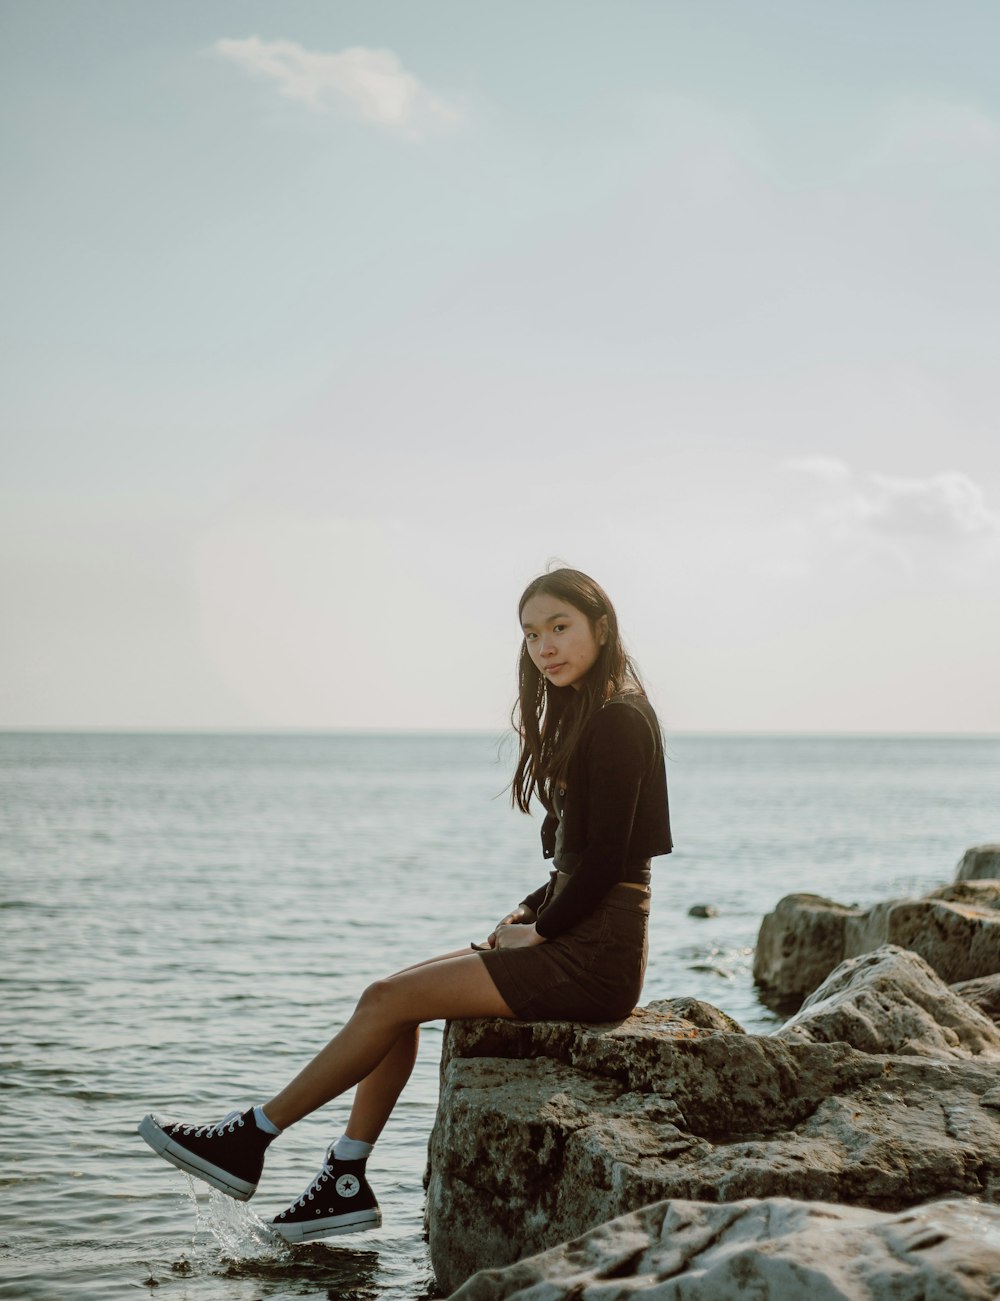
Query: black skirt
[[592, 972]]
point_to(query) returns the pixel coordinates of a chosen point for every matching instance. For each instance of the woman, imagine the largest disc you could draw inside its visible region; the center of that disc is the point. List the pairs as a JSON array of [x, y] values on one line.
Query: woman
[[575, 949]]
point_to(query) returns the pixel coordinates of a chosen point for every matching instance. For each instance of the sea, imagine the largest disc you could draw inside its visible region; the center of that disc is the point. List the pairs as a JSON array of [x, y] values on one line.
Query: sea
[[187, 918]]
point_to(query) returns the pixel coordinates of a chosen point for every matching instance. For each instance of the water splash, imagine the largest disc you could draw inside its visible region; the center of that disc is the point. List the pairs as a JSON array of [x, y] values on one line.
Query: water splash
[[237, 1231], [231, 1242]]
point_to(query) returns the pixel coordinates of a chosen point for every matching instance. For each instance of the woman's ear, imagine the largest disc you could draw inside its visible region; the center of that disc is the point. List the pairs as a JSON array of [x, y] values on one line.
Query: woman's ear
[[602, 630]]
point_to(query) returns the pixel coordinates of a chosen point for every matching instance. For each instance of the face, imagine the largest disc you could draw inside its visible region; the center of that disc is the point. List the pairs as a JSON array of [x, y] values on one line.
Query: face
[[561, 643]]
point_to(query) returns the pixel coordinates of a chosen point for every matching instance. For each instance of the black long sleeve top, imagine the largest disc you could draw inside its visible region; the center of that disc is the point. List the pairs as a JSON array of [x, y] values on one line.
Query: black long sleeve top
[[615, 813]]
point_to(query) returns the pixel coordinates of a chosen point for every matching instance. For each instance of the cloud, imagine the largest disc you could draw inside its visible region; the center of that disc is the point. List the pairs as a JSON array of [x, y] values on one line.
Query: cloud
[[945, 505], [933, 145], [369, 84], [921, 124], [823, 467]]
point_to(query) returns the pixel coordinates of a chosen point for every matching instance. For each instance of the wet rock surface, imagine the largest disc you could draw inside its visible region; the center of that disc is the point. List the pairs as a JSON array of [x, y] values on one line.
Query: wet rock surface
[[776, 1248]]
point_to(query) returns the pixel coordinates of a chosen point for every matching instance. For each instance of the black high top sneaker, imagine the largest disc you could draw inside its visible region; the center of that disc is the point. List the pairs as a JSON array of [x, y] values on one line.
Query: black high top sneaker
[[228, 1155], [339, 1200]]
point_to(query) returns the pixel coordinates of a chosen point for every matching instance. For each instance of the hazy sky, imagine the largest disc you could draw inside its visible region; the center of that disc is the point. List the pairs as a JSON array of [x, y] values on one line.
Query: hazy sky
[[327, 325]]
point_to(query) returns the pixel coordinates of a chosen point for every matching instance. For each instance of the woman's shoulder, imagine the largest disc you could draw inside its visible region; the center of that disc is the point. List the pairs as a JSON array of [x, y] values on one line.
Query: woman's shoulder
[[627, 716]]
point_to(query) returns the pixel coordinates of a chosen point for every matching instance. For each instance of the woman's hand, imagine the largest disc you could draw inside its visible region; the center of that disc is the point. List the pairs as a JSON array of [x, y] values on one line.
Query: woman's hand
[[519, 936], [522, 915]]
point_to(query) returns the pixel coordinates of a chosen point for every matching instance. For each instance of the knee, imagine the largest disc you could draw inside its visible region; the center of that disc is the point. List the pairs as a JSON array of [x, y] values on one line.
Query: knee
[[378, 999], [385, 1002]]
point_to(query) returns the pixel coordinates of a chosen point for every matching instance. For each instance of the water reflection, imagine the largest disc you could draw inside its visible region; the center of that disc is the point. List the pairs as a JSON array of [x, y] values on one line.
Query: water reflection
[[342, 1273]]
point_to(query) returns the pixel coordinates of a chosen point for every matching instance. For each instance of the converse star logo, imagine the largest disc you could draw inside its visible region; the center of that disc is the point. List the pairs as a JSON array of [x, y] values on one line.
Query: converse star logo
[[347, 1185]]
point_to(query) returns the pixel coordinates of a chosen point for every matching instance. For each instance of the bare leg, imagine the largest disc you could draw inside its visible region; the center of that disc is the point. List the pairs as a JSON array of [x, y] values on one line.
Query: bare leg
[[378, 1092], [451, 987], [441, 957]]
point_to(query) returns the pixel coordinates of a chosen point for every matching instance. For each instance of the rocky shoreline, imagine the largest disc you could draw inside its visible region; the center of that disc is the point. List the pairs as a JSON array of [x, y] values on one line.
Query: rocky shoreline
[[879, 1096]]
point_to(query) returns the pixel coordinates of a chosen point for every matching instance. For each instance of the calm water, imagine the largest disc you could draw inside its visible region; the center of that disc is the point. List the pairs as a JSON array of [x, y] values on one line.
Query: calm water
[[186, 918]]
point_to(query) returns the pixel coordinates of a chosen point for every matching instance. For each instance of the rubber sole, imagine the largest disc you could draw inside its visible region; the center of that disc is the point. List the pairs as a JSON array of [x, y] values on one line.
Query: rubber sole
[[163, 1145], [310, 1230]]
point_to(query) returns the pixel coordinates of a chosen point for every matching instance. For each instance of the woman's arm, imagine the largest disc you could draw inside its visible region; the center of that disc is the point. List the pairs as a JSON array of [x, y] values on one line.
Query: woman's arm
[[534, 900]]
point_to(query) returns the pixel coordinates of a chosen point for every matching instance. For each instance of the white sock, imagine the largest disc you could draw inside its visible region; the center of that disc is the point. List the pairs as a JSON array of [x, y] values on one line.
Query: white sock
[[351, 1149], [268, 1126]]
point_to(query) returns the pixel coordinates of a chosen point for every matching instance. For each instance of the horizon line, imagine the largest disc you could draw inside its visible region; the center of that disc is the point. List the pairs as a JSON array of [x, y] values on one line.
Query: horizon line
[[281, 731]]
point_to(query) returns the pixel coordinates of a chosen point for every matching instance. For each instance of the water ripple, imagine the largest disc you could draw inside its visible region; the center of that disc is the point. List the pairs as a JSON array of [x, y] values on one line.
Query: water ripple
[[188, 918]]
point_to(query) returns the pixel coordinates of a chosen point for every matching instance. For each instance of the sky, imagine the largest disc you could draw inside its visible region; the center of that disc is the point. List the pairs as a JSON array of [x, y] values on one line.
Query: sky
[[328, 325]]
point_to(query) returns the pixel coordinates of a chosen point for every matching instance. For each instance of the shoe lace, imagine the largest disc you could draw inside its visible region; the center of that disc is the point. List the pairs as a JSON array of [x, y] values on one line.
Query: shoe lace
[[321, 1177], [228, 1124]]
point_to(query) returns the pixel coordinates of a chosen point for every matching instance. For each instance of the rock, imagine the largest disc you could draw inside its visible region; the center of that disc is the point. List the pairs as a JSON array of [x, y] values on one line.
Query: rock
[[890, 1001], [703, 910], [547, 1129], [799, 944], [774, 1249], [955, 928], [702, 1015], [977, 894], [983, 994], [982, 862]]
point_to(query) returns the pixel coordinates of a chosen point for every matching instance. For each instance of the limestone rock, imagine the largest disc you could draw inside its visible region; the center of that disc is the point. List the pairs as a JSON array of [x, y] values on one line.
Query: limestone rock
[[702, 1015], [799, 944], [977, 894], [982, 862], [776, 1249], [983, 994], [546, 1129], [890, 1001], [955, 928]]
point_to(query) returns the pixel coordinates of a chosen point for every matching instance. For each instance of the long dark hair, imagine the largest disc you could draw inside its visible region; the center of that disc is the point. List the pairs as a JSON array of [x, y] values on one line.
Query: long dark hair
[[549, 719]]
